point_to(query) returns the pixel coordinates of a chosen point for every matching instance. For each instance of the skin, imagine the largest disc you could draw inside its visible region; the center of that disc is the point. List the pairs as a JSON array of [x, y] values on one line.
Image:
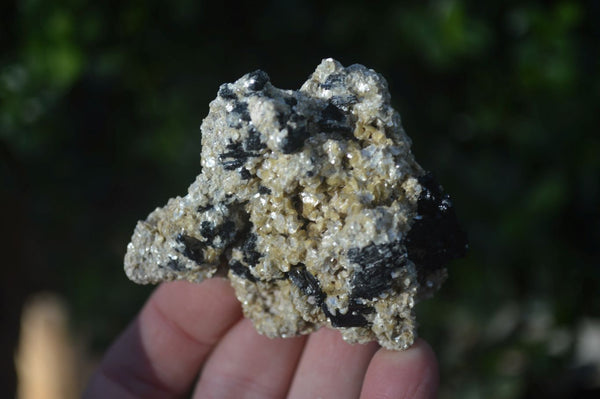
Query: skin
[[193, 338]]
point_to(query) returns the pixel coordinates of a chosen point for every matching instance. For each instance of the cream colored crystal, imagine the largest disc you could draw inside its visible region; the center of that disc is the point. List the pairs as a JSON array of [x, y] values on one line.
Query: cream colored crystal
[[307, 200]]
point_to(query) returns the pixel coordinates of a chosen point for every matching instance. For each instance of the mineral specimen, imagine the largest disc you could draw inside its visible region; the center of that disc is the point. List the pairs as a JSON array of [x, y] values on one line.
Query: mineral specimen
[[313, 205]]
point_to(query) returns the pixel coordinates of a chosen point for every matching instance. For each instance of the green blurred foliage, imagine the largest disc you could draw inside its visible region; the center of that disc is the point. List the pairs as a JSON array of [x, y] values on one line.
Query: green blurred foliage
[[100, 105]]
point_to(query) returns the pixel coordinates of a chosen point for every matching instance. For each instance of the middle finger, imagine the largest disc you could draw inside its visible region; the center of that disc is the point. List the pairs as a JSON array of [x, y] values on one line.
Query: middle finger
[[331, 367], [248, 365]]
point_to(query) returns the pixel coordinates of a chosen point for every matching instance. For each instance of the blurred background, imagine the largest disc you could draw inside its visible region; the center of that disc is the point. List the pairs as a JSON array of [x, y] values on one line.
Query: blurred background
[[100, 108]]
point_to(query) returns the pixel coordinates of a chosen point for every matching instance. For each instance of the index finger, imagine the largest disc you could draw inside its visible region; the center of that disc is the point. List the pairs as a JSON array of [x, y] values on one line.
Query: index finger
[[412, 373], [162, 351]]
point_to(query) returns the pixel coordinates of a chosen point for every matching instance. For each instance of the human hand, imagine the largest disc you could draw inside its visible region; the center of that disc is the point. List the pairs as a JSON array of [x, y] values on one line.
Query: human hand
[[188, 330]]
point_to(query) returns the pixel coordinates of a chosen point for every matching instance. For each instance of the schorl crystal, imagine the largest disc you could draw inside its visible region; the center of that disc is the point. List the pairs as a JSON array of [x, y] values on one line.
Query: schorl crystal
[[315, 207]]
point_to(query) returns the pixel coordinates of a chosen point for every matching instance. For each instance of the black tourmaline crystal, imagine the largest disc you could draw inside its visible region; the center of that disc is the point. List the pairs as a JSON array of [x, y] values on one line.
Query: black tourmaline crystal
[[435, 238]]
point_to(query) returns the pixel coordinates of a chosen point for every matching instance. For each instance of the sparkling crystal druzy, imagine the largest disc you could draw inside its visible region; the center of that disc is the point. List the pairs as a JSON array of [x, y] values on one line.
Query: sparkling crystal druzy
[[312, 204]]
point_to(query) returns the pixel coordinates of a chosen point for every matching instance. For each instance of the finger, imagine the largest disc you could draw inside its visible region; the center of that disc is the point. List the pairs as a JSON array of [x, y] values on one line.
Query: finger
[[248, 365], [409, 374], [161, 352], [331, 367]]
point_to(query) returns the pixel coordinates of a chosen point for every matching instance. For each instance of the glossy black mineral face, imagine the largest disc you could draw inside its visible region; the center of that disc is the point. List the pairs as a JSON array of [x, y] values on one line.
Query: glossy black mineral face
[[313, 205]]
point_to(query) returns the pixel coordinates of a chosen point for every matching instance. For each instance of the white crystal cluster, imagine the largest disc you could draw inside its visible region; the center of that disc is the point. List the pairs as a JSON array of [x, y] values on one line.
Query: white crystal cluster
[[312, 204]]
